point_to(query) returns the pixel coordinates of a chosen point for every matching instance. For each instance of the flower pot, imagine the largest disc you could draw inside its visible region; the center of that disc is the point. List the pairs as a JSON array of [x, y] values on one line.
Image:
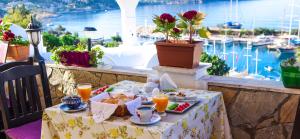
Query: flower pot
[[18, 52], [74, 58], [290, 76], [181, 54]]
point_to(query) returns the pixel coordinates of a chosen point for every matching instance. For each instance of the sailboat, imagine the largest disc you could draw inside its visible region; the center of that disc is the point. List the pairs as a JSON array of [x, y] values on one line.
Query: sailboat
[[233, 24], [296, 40], [288, 47]]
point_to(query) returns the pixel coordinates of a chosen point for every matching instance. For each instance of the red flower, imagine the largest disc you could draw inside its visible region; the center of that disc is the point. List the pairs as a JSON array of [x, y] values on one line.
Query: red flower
[[176, 30], [167, 18], [8, 36], [0, 21], [190, 15]]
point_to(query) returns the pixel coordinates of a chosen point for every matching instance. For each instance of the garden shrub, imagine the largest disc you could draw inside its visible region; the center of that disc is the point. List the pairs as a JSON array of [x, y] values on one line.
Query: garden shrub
[[219, 67]]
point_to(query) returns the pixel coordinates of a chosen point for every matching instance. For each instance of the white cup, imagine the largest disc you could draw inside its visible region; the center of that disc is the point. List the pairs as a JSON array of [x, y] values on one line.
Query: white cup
[[145, 113]]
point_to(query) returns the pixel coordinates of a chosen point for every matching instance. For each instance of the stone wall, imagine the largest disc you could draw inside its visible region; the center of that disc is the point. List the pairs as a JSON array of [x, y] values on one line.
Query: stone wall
[[255, 112], [63, 79]]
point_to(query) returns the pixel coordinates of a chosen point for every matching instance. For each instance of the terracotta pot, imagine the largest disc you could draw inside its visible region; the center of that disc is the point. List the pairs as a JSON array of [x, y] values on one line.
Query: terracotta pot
[[18, 52], [183, 55]]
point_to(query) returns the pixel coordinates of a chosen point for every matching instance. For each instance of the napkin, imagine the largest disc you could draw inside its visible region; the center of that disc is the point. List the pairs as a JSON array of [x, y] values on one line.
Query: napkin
[[152, 82], [102, 111], [166, 82], [133, 105], [149, 86]]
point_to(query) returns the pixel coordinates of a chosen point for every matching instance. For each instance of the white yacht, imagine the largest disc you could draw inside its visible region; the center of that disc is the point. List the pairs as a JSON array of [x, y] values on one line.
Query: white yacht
[[263, 40]]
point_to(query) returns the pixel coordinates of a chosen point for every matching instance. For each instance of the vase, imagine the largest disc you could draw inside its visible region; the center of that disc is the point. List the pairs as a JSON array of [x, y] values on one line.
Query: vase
[[290, 76], [18, 52], [179, 54]]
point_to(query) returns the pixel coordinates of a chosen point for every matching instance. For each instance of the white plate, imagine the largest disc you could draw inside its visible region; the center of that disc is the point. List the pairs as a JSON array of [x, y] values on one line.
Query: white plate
[[65, 108], [189, 96], [155, 118]]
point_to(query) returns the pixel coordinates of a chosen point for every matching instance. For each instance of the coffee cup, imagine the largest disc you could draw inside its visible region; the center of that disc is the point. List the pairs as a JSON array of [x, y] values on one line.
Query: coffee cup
[[145, 113]]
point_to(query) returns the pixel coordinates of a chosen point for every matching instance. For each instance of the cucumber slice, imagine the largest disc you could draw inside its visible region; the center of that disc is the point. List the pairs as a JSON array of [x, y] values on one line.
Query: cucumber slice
[[173, 106]]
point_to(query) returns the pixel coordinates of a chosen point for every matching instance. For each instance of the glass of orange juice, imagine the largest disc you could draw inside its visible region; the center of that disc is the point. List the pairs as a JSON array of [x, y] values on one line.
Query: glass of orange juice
[[161, 103], [85, 91]]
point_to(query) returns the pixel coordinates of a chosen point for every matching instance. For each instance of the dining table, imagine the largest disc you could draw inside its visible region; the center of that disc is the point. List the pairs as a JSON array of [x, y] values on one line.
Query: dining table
[[206, 120]]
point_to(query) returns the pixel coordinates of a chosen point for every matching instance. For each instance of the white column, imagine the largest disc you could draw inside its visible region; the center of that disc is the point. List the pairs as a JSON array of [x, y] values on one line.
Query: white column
[[128, 19], [186, 78]]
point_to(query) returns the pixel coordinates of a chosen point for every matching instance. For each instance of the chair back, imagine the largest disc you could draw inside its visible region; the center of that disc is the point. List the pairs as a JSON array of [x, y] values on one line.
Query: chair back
[[9, 65], [21, 103]]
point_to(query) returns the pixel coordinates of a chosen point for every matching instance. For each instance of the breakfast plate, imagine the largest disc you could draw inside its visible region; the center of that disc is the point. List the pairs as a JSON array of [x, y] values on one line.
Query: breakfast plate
[[182, 96], [136, 120], [180, 107], [66, 108]]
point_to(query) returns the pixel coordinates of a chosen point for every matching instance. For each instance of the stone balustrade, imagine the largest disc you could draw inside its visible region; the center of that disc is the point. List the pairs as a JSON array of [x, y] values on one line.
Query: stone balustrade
[[62, 79], [256, 109]]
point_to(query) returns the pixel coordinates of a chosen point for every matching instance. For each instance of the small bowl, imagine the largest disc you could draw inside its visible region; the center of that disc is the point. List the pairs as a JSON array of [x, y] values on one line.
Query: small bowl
[[72, 102]]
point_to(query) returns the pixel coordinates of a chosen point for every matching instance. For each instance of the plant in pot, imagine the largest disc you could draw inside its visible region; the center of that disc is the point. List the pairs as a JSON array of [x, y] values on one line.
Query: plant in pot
[[180, 53], [290, 71], [77, 56], [18, 47]]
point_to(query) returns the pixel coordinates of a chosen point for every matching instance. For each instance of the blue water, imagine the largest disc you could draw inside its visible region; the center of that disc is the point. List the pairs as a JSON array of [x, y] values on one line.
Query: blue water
[[252, 13], [257, 13], [266, 58]]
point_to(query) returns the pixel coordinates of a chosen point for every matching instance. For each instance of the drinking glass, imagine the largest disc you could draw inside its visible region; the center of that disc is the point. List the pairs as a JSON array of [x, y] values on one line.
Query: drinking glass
[[161, 103], [85, 91]]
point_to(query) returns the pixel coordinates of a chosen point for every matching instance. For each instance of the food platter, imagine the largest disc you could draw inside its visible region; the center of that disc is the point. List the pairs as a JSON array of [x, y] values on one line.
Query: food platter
[[181, 107], [182, 96]]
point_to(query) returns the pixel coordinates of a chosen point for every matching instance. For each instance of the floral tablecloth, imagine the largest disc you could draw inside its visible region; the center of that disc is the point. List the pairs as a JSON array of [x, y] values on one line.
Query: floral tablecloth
[[206, 120]]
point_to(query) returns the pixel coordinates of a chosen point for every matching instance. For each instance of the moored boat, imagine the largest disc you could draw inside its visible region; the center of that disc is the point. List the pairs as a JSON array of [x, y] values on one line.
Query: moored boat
[[263, 40], [286, 49], [295, 41], [232, 25]]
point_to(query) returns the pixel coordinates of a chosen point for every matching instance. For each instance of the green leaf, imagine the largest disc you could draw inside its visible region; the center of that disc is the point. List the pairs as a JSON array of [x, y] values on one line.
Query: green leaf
[[204, 33]]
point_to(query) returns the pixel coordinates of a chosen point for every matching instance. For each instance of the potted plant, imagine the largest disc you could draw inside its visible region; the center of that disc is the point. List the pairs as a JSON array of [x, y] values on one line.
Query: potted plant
[[77, 56], [18, 47], [180, 53], [290, 71]]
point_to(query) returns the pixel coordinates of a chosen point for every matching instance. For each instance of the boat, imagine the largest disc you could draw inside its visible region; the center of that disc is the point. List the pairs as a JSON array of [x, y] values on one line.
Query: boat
[[268, 68], [263, 40], [232, 25], [90, 29], [227, 40], [272, 47], [286, 49], [295, 41]]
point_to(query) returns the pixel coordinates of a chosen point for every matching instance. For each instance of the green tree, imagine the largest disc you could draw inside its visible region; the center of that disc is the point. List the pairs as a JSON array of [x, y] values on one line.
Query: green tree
[[19, 15], [68, 39], [51, 41]]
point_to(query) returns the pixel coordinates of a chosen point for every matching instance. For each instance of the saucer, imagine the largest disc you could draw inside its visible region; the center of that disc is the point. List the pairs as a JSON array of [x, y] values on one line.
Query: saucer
[[155, 118], [65, 108]]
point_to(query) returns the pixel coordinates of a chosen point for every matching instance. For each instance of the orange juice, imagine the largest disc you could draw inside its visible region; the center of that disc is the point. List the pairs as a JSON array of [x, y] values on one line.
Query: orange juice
[[161, 103], [84, 90]]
